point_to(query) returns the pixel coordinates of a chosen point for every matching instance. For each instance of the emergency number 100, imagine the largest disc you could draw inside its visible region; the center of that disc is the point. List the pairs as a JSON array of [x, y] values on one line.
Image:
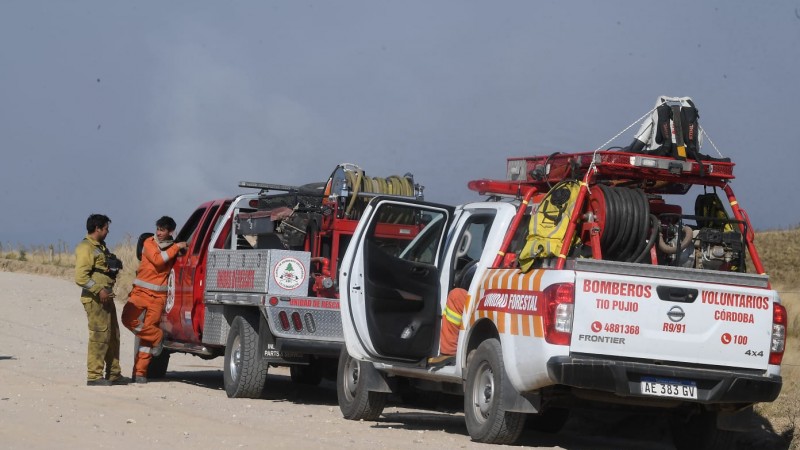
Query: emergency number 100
[[740, 340]]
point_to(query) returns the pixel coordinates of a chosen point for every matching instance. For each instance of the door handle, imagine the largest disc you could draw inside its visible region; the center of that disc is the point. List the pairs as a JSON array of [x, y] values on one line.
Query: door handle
[[676, 294], [420, 271]]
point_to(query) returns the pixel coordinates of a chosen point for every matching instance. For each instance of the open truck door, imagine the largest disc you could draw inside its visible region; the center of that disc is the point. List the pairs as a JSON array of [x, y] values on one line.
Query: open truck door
[[186, 281], [390, 285]]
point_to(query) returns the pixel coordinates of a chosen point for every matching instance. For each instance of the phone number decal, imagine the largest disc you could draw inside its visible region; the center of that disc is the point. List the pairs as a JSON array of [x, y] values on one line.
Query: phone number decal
[[617, 328]]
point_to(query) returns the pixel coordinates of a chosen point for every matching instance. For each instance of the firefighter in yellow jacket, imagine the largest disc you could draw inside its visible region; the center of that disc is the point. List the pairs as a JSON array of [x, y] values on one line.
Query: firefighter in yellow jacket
[[142, 312], [95, 271]]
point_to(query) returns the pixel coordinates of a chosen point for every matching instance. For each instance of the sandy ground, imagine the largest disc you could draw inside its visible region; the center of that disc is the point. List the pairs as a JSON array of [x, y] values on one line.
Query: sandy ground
[[44, 402]]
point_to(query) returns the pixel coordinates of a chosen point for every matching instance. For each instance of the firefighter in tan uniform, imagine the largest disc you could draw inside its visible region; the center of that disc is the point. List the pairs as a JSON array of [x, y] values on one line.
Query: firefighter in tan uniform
[[95, 271], [142, 312]]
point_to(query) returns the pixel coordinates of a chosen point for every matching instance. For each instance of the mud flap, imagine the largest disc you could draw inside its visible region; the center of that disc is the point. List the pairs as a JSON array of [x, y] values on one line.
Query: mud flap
[[373, 380], [268, 349], [513, 401], [741, 420], [266, 341]]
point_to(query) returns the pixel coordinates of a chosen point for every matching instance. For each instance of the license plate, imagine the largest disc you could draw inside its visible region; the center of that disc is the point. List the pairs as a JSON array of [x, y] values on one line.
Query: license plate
[[663, 387]]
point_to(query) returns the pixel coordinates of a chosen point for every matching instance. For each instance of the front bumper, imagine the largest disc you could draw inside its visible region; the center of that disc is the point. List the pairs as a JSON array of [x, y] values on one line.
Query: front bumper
[[623, 378]]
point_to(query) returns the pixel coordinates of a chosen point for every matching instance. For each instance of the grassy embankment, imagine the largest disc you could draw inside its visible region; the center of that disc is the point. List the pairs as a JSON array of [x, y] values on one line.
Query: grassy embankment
[[779, 250], [58, 260]]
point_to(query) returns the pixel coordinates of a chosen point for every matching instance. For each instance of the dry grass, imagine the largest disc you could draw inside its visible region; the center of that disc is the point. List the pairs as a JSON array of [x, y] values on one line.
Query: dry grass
[[779, 252], [58, 260]]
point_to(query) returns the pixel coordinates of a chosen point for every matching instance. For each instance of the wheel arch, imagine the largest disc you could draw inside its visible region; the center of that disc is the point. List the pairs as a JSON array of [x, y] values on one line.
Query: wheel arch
[[480, 331], [229, 314]]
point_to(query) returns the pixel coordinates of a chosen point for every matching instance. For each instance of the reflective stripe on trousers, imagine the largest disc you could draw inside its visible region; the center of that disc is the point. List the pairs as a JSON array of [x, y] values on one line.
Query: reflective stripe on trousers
[[151, 286], [141, 323]]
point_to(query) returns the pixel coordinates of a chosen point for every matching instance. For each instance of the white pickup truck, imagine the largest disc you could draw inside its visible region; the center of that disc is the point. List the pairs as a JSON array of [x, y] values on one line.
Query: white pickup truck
[[639, 304]]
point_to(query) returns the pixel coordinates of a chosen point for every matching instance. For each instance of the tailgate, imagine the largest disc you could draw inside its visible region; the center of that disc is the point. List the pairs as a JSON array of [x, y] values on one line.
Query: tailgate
[[312, 318], [672, 320]]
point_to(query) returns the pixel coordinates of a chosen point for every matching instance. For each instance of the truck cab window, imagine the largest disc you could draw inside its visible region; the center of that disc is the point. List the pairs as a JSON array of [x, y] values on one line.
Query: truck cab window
[[193, 231], [189, 228], [470, 244], [424, 248]]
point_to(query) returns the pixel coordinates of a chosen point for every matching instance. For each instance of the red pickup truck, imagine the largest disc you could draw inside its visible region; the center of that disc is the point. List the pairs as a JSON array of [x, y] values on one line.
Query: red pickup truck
[[258, 283]]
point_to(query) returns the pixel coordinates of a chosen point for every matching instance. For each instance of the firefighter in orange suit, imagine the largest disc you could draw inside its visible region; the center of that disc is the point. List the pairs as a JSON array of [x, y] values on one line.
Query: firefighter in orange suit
[[142, 312], [451, 323], [95, 272]]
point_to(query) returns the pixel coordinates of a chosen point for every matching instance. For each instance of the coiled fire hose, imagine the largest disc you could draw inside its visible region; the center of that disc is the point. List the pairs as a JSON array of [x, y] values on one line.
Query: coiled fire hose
[[358, 182], [630, 230]]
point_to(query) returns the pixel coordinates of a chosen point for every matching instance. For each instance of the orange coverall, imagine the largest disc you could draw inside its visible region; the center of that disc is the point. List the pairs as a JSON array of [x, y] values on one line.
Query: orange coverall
[[451, 321], [142, 312]]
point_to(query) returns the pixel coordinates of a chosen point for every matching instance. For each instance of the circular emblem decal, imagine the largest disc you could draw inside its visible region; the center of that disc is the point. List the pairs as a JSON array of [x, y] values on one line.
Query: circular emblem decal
[[676, 314], [170, 291], [289, 273]]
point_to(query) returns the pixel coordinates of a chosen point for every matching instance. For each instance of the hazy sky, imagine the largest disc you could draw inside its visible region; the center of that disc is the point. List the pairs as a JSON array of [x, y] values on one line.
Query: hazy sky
[[139, 109]]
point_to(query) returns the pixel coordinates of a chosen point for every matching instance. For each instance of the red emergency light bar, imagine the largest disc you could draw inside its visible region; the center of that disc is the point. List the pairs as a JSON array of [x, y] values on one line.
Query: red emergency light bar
[[617, 166], [499, 187]]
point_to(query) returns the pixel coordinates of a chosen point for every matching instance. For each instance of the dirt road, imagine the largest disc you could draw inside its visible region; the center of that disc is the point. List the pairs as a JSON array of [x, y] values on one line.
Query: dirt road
[[44, 402]]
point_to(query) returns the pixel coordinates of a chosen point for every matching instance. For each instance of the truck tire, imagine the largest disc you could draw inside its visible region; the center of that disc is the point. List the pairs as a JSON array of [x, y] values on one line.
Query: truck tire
[[487, 422], [158, 365], [245, 371], [700, 432], [355, 401], [308, 375]]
